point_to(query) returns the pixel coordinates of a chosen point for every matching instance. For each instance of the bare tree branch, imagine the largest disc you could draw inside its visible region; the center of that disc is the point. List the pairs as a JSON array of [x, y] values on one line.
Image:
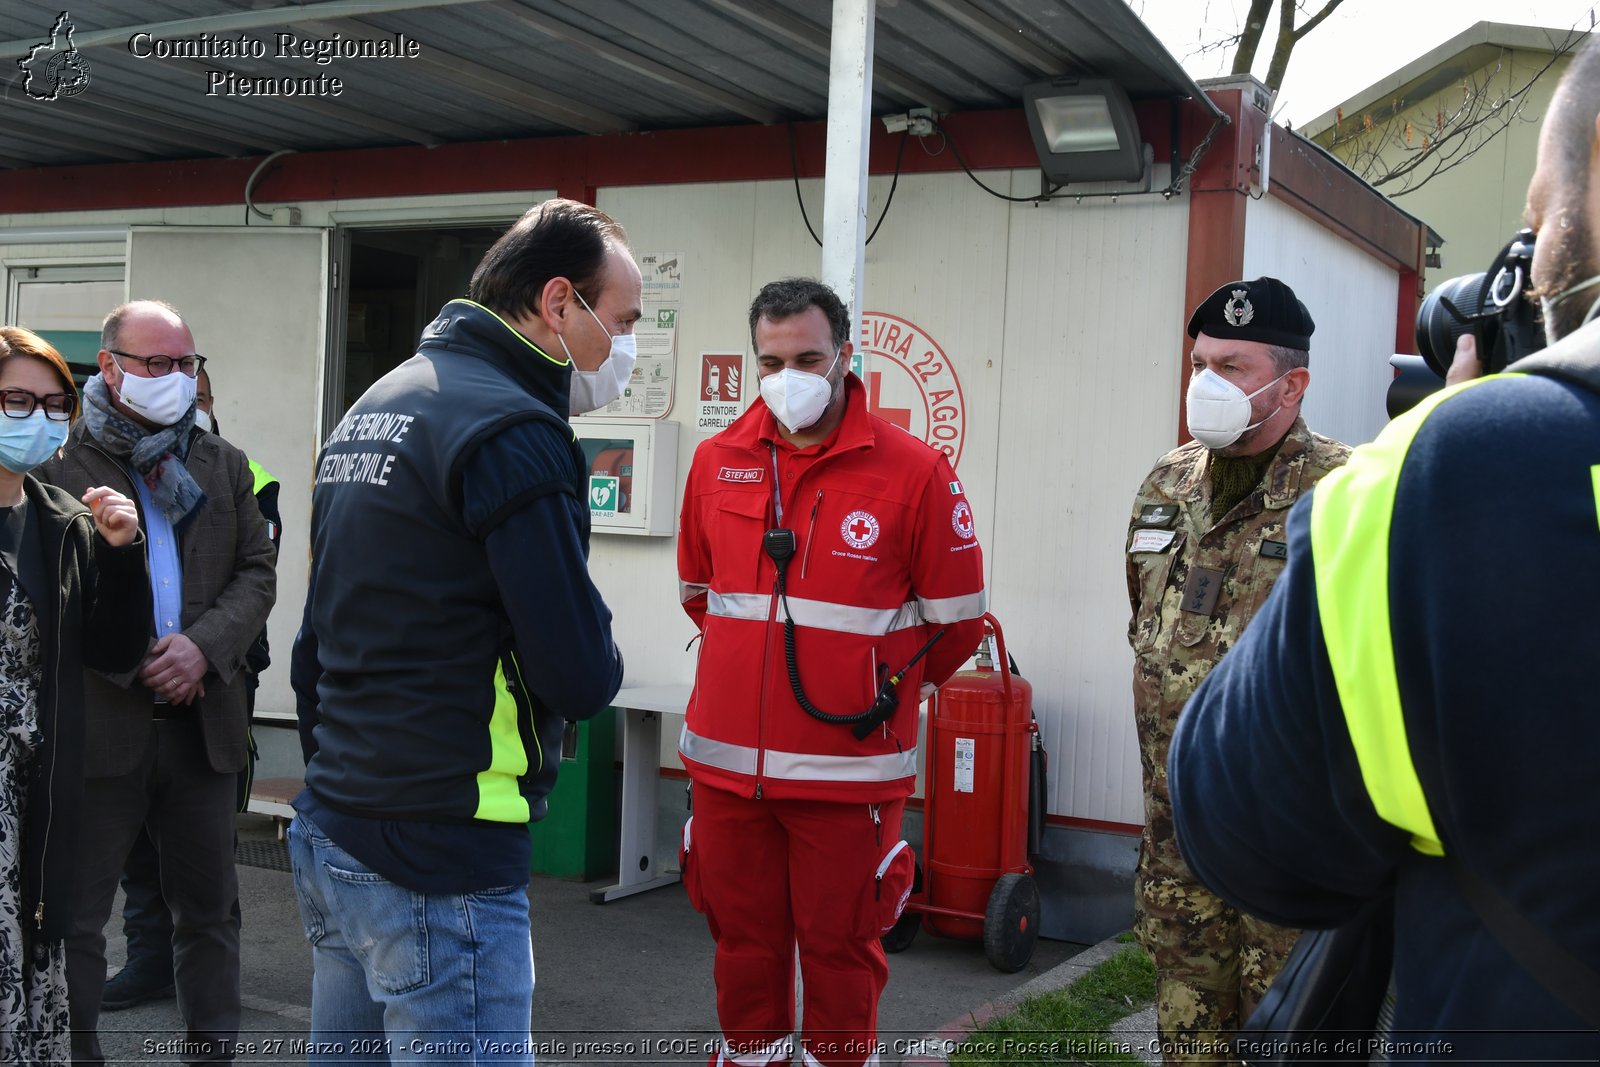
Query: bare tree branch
[[1428, 145], [1284, 47], [1394, 146], [1290, 35], [1316, 20], [1249, 38]]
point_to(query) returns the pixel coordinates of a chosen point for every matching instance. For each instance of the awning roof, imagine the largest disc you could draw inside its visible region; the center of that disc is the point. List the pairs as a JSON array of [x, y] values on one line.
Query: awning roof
[[499, 69]]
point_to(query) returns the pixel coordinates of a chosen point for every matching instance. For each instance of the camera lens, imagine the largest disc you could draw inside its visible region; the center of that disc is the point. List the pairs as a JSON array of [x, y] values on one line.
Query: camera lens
[[1438, 329]]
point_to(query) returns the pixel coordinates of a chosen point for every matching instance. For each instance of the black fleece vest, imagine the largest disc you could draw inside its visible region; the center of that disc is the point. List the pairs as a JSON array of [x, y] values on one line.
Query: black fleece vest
[[407, 614]]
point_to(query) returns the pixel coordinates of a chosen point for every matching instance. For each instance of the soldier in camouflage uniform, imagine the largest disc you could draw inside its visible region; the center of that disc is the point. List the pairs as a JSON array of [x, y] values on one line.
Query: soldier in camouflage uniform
[[1205, 544]]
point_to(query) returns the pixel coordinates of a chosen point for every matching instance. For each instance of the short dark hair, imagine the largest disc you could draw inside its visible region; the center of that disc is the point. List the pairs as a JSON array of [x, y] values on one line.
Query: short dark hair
[[1286, 359], [557, 239], [793, 296]]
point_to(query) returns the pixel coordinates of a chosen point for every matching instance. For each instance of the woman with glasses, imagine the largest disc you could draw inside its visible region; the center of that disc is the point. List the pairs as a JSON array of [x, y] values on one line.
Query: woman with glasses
[[73, 594]]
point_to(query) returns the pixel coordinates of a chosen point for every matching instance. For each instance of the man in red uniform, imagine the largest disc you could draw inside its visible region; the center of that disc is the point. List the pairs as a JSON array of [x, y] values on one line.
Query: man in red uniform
[[821, 550]]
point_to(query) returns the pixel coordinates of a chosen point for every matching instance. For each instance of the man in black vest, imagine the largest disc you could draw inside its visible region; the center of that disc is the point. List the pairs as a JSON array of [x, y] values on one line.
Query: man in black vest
[[450, 628]]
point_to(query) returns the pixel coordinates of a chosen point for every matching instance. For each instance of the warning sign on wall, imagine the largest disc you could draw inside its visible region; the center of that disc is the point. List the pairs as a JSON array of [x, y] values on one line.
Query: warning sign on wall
[[648, 394], [720, 398]]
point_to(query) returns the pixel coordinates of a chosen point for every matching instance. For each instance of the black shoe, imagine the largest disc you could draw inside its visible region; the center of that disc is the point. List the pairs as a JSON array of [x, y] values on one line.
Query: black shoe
[[135, 984]]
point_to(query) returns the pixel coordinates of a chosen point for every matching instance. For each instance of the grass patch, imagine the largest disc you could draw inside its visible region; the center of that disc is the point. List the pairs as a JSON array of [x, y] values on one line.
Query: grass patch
[[1067, 1025]]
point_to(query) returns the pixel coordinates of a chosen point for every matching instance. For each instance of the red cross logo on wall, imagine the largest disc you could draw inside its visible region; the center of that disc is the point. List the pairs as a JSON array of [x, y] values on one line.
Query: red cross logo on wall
[[860, 529], [901, 417]]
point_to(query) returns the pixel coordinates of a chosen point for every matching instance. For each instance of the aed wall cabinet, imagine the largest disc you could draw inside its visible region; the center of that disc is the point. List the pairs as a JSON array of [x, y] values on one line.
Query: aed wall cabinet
[[633, 474]]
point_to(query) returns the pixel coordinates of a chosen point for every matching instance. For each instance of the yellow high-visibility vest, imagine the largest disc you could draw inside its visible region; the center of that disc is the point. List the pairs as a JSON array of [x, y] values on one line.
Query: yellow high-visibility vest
[[1351, 511]]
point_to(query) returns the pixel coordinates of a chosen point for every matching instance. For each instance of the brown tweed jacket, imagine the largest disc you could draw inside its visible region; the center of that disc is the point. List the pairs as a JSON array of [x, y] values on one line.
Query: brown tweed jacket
[[228, 588]]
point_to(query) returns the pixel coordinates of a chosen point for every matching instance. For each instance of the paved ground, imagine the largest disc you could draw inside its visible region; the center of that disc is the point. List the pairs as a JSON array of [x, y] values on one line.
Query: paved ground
[[632, 976]]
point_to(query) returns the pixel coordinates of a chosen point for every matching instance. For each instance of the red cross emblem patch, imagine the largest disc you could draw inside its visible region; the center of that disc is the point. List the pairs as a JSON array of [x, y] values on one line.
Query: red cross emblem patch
[[961, 520], [859, 529]]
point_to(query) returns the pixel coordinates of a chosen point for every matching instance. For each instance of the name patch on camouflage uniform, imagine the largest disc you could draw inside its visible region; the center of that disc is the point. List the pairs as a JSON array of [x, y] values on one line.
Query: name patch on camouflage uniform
[[1274, 550], [1152, 540], [1201, 589], [1158, 514]]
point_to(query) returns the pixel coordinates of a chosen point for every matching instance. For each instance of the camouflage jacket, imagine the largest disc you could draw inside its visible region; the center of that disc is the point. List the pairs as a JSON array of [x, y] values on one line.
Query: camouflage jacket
[[1194, 584]]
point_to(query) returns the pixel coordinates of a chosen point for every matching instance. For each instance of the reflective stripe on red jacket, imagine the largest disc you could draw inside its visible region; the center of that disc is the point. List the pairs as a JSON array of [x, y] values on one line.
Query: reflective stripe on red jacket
[[886, 556]]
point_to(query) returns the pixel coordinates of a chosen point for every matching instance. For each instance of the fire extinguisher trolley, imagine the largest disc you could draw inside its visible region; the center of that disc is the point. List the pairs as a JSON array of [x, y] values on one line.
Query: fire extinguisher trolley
[[984, 773]]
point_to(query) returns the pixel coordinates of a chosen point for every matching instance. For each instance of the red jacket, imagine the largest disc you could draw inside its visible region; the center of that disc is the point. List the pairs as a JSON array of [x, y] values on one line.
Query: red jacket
[[886, 556]]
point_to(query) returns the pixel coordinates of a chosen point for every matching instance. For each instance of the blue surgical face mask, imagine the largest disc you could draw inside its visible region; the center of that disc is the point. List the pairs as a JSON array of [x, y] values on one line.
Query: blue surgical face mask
[[26, 443]]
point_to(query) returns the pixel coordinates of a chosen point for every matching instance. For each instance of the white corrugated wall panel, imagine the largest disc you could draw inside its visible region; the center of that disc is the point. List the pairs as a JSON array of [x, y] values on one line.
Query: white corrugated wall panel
[[1089, 400], [1352, 298], [713, 228], [1062, 322], [939, 261]]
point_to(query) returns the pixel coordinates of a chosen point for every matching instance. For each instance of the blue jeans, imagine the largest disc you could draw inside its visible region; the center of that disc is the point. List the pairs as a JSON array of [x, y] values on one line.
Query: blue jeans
[[407, 977]]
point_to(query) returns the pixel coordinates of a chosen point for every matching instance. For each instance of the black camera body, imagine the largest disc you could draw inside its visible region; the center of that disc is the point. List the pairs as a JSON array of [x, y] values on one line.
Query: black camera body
[[1495, 306]]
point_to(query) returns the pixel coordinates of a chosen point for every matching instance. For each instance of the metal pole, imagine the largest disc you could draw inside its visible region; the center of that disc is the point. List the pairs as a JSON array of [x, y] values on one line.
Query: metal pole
[[844, 185]]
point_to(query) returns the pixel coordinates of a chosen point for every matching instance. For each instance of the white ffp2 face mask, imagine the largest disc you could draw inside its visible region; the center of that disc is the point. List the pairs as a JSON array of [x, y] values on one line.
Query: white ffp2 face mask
[[1219, 411], [798, 398], [592, 390], [163, 400], [202, 418]]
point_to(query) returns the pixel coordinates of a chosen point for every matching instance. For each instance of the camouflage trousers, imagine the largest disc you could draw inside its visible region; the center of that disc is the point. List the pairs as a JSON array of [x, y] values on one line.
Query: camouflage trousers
[[1213, 963]]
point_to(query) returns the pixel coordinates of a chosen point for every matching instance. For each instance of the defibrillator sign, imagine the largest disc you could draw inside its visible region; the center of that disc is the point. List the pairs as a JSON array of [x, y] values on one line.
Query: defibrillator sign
[[604, 493]]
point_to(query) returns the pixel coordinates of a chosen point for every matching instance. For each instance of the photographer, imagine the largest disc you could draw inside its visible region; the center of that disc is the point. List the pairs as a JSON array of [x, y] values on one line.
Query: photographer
[[1412, 711]]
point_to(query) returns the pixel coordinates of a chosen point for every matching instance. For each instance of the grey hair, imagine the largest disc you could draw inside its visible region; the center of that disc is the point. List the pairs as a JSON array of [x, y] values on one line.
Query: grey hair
[[111, 327], [1286, 359]]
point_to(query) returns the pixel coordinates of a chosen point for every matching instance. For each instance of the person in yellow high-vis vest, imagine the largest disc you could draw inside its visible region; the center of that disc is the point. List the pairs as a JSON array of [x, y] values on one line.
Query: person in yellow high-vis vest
[[1414, 710]]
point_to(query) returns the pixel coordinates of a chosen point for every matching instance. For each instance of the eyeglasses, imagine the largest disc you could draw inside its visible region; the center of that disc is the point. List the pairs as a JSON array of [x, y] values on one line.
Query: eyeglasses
[[161, 366], [19, 404]]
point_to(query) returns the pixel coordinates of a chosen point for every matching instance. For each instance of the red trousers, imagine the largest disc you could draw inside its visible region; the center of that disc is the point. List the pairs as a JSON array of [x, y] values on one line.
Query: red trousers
[[773, 874]]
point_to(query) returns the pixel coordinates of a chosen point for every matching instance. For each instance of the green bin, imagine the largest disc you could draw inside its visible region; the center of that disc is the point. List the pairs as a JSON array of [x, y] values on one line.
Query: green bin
[[578, 837]]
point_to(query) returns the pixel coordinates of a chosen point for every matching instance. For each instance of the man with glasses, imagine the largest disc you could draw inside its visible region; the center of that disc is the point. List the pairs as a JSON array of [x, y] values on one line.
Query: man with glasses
[[146, 918], [167, 740]]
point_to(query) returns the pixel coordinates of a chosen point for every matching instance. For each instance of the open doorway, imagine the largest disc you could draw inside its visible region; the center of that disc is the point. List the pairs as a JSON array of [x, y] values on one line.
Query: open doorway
[[396, 282], [64, 305]]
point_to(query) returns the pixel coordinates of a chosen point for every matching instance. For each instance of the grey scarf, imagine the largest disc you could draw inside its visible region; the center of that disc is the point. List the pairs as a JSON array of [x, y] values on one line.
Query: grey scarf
[[157, 456]]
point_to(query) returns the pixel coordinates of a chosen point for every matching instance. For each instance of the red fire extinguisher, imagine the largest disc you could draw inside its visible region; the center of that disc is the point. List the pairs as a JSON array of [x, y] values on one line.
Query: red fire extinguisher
[[985, 778]]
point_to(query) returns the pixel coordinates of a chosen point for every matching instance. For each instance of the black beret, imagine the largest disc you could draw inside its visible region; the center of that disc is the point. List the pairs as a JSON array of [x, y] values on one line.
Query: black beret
[[1264, 310]]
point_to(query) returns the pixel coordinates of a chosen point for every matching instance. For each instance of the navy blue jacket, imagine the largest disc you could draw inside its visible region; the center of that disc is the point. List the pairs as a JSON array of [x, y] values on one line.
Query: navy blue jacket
[[1494, 584], [450, 540]]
